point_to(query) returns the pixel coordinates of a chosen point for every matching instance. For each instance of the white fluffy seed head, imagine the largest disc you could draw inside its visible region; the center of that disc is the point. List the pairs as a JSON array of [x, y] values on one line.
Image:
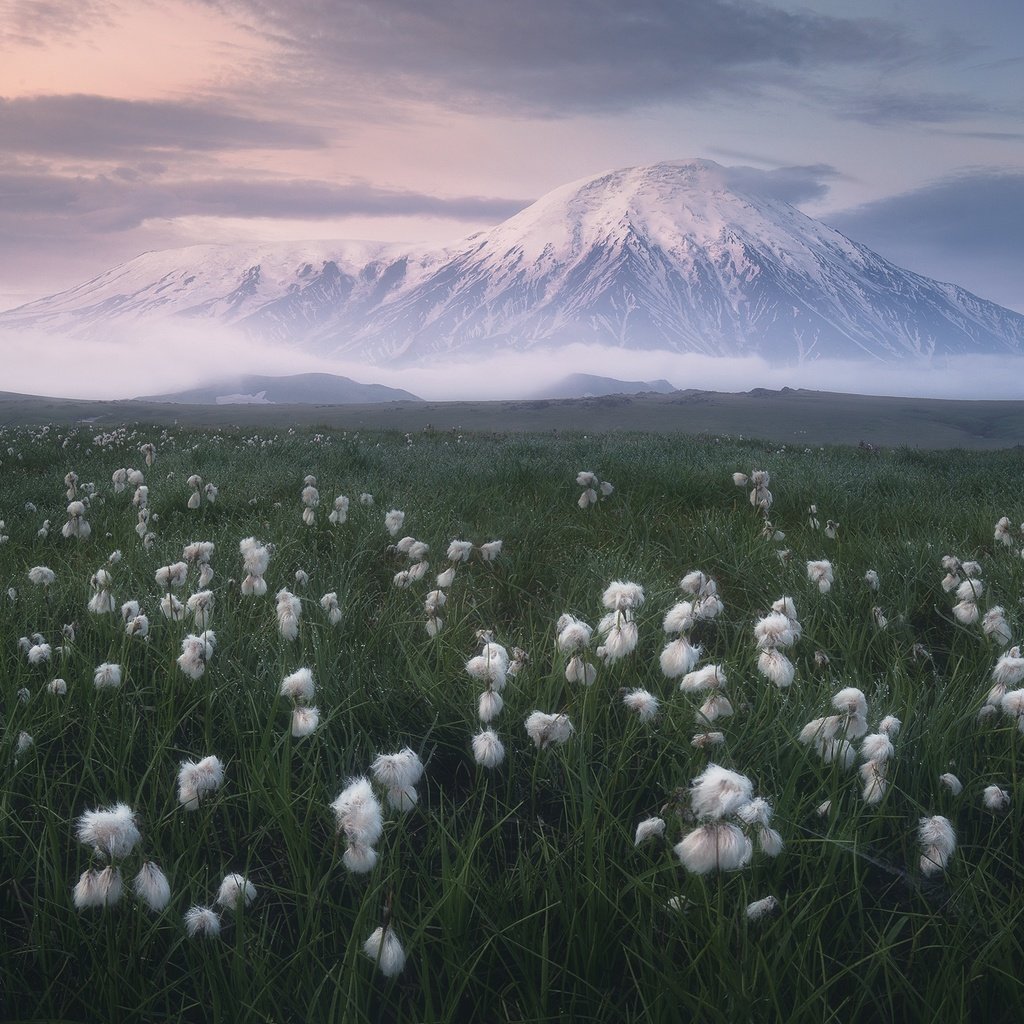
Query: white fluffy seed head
[[396, 771], [716, 846], [110, 831], [298, 685], [952, 783], [548, 729], [644, 703], [384, 949], [488, 750], [649, 828], [678, 658], [151, 886], [235, 891], [718, 792]]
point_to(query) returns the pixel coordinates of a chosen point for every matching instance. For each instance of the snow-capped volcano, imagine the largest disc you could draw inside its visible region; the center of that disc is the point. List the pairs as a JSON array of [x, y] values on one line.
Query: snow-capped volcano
[[666, 257]]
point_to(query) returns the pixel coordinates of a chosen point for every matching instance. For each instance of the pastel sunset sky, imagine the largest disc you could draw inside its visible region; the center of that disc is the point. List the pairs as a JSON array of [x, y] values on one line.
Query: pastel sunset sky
[[128, 126]]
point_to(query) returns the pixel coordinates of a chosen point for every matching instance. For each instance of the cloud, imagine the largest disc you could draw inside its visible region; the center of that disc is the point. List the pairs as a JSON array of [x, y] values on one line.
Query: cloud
[[909, 107], [101, 127], [38, 22], [794, 185], [39, 203], [963, 228], [566, 57]]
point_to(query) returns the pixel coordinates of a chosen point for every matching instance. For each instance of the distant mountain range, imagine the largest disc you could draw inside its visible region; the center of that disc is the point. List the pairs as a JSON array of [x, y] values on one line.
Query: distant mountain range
[[299, 389], [664, 257], [586, 385]]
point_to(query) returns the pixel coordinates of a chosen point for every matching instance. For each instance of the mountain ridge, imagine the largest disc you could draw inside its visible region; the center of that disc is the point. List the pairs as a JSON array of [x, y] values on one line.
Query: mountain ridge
[[666, 257]]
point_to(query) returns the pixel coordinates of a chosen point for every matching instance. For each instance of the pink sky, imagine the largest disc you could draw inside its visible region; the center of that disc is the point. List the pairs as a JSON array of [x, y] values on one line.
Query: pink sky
[[128, 127]]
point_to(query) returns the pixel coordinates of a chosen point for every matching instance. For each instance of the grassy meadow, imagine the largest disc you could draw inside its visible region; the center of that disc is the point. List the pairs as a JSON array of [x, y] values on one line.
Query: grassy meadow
[[517, 892]]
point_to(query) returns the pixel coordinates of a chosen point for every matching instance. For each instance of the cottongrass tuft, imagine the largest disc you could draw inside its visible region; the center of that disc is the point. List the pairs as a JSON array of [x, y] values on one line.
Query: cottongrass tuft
[[202, 922], [385, 950], [644, 703], [329, 603], [198, 778], [952, 783], [298, 685], [649, 828], [716, 846], [110, 831], [995, 799], [488, 750], [235, 891], [98, 888], [548, 729], [762, 908], [305, 721], [938, 842], [152, 887], [393, 521], [820, 573], [718, 792], [358, 815], [107, 676]]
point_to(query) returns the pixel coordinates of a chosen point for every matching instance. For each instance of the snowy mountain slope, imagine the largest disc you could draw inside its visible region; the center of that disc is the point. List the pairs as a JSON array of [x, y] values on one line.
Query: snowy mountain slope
[[660, 257]]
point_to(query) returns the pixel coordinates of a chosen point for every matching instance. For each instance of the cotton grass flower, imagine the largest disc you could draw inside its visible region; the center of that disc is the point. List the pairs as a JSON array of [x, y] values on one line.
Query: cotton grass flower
[[358, 815], [200, 607], [548, 730], [995, 799], [995, 626], [619, 636], [488, 750], [329, 603], [490, 551], [196, 652], [871, 579], [938, 842], [305, 721], [460, 551], [393, 521], [76, 526], [98, 888], [174, 575], [107, 676], [643, 703], [57, 687], [648, 829], [398, 774], [197, 779], [952, 783], [703, 740], [385, 950], [339, 513], [235, 892], [41, 576], [111, 831], [762, 908], [298, 685], [289, 611], [820, 573], [39, 654], [718, 792], [716, 846], [152, 887], [202, 922]]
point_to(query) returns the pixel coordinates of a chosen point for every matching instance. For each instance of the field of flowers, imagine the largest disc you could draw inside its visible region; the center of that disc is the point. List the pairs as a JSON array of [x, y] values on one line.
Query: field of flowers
[[380, 727]]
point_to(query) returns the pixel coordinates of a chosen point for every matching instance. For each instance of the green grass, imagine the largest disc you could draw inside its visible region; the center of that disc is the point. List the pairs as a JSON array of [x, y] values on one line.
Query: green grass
[[517, 893]]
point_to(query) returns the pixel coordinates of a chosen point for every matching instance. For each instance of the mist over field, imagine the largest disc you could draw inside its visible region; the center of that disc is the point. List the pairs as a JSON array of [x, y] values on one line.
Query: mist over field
[[168, 359]]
